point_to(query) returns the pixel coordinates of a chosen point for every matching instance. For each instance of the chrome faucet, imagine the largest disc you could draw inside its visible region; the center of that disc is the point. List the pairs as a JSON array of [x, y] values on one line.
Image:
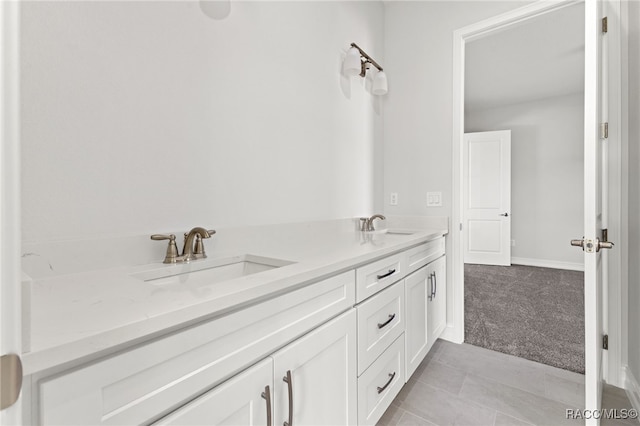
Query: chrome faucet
[[193, 247], [368, 223]]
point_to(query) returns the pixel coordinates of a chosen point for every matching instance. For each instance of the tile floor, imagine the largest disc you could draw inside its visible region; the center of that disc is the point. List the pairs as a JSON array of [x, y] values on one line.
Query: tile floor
[[468, 385]]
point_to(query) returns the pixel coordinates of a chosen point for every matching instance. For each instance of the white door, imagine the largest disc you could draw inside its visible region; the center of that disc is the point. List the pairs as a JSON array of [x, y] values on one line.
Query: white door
[[594, 95], [243, 400], [487, 198], [10, 275], [321, 376]]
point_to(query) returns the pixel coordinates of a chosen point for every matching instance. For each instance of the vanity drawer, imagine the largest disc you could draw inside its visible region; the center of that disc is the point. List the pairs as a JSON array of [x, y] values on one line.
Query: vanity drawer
[[380, 384], [375, 276], [380, 322], [419, 256], [145, 383]]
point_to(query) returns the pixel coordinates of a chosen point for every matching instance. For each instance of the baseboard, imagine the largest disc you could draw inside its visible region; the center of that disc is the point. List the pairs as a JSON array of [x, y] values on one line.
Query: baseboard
[[632, 388], [544, 263], [451, 334]]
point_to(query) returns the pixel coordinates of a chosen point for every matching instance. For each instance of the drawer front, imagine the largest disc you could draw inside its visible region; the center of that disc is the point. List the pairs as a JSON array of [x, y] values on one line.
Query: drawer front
[[145, 383], [380, 384], [378, 275], [419, 256], [381, 320]]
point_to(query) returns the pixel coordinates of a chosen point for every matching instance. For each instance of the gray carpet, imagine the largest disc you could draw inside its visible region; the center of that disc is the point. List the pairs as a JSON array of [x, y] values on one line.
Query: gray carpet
[[533, 313]]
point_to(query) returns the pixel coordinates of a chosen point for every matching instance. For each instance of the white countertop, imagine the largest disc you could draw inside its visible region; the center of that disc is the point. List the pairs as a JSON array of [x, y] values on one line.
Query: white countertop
[[80, 316]]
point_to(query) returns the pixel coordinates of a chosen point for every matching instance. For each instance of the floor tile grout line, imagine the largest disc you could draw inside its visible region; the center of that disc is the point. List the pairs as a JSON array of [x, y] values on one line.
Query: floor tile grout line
[[511, 415]]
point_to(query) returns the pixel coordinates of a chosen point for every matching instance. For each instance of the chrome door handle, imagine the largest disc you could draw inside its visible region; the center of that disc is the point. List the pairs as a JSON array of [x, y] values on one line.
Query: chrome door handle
[[591, 246], [505, 214], [267, 396], [287, 380]]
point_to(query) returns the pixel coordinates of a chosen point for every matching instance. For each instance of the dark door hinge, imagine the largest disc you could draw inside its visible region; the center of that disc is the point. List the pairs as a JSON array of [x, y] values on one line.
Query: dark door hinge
[[604, 24], [605, 341]]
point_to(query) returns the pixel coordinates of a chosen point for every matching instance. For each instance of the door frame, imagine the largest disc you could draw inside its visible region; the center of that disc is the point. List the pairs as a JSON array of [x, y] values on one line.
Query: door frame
[[618, 181], [10, 232]]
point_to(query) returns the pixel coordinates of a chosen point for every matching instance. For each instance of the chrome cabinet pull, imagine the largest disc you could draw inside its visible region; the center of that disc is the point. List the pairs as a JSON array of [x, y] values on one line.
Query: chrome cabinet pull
[[391, 376], [504, 214], [267, 396], [287, 380], [430, 296], [391, 272], [435, 284], [391, 317]]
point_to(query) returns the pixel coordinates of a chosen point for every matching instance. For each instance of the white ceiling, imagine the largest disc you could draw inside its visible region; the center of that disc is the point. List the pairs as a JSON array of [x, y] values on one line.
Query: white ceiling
[[539, 58]]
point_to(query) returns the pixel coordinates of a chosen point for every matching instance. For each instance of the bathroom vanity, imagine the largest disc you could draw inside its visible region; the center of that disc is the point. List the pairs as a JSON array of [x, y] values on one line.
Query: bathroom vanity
[[326, 334]]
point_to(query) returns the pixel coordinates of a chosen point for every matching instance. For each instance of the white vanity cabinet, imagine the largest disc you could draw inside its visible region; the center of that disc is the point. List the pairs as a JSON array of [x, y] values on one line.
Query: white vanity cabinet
[[426, 316], [140, 385], [320, 387], [336, 351]]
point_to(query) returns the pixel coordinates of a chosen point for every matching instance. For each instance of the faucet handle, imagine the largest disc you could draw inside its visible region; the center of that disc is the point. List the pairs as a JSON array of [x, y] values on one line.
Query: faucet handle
[[172, 249], [160, 237]]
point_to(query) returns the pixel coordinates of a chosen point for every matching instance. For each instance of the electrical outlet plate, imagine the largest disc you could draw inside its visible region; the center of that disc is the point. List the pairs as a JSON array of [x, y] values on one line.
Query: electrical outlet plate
[[393, 199], [434, 199]]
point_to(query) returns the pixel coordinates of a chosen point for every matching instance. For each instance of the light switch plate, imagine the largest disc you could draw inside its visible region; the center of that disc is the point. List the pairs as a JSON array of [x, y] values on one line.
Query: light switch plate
[[434, 199]]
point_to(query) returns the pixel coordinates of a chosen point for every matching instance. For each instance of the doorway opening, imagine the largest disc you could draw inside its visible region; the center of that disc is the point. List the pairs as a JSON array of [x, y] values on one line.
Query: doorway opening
[[523, 182]]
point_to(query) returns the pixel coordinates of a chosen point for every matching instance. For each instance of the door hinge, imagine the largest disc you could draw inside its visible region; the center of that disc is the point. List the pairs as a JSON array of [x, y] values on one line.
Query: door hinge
[[604, 24], [605, 236], [605, 342], [604, 130], [10, 380], [461, 227]]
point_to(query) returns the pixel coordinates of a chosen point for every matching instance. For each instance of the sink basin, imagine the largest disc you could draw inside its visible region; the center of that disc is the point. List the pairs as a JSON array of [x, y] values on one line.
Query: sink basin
[[393, 231], [401, 231], [210, 271]]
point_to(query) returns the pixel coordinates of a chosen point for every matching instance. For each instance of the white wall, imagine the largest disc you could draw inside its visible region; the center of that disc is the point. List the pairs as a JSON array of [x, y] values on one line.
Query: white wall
[[547, 176], [634, 188], [141, 117], [418, 108]]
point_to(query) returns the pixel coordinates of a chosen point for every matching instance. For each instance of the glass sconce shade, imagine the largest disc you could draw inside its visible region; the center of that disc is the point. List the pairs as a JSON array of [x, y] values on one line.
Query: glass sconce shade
[[380, 84], [352, 65]]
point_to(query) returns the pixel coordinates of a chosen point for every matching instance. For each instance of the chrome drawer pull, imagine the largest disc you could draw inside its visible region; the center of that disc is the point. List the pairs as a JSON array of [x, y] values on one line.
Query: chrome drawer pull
[[287, 380], [391, 272], [391, 376], [391, 317], [267, 395]]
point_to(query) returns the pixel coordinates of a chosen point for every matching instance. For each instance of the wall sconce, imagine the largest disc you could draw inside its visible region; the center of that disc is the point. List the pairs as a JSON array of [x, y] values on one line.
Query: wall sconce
[[357, 62]]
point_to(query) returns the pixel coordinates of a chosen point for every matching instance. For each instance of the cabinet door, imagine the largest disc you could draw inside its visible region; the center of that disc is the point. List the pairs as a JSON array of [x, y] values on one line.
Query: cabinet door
[[417, 291], [242, 400], [320, 368], [438, 303]]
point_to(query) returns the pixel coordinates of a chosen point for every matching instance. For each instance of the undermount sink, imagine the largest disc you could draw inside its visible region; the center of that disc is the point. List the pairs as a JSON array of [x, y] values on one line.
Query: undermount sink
[[210, 271], [401, 231], [393, 231]]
